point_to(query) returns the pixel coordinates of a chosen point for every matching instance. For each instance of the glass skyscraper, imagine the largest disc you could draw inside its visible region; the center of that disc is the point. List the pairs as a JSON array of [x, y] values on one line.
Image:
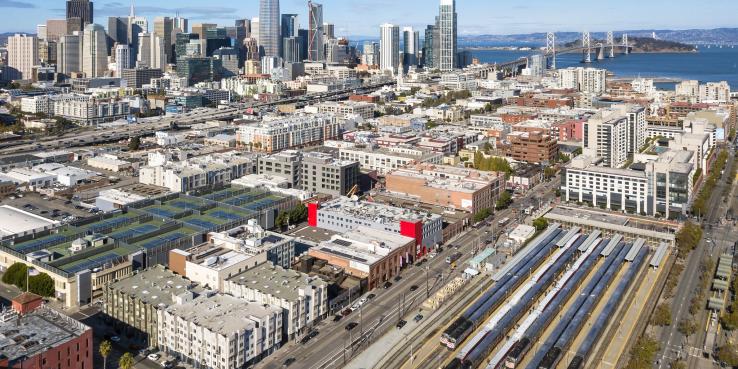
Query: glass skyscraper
[[315, 32], [269, 39], [447, 45]]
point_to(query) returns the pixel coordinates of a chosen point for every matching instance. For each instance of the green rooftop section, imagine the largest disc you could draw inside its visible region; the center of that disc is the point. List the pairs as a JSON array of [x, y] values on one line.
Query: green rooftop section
[[164, 238]]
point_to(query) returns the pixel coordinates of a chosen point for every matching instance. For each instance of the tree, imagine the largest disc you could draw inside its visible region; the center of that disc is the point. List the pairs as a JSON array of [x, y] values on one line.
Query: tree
[[678, 364], [687, 327], [126, 361], [549, 172], [104, 349], [281, 220], [134, 143], [540, 224], [298, 214], [728, 354], [662, 315], [41, 285], [643, 353], [504, 201], [16, 275], [482, 215]]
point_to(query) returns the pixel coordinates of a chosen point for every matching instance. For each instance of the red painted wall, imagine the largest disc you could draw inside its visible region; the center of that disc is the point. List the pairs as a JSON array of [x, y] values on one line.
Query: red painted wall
[[313, 214], [65, 356], [414, 230]]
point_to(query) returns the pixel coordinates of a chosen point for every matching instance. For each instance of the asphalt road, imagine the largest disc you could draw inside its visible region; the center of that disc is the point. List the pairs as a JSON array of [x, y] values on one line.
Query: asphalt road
[[672, 341]]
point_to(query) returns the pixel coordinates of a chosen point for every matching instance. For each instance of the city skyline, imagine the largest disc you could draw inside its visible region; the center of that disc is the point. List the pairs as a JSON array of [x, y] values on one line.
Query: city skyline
[[363, 17]]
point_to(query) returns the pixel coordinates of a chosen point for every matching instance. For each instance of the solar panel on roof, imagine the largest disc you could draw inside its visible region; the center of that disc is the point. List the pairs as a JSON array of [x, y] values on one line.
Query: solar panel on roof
[[342, 242]]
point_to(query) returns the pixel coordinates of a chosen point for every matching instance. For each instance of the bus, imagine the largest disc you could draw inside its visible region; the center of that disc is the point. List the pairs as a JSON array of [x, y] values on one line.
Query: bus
[[503, 221]]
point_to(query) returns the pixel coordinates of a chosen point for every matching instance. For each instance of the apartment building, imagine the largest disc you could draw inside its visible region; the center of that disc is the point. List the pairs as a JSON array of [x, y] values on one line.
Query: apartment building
[[87, 110], [220, 331], [530, 147], [287, 133], [663, 187], [286, 164], [344, 109], [383, 160], [615, 134], [198, 172], [252, 239], [135, 300], [587, 80], [303, 299], [321, 173]]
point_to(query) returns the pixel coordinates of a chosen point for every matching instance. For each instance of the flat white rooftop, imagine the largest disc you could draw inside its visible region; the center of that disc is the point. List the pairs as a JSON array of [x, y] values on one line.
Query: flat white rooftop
[[16, 221]]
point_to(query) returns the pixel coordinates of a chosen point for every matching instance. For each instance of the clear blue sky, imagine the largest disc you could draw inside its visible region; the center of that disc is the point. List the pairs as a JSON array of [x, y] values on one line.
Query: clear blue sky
[[362, 17]]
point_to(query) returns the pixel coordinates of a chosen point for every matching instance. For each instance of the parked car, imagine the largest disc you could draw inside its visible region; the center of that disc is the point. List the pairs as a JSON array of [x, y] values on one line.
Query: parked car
[[337, 317], [400, 324], [288, 362], [398, 278], [413, 288], [153, 357], [115, 339], [387, 285], [370, 296], [351, 326], [418, 318]]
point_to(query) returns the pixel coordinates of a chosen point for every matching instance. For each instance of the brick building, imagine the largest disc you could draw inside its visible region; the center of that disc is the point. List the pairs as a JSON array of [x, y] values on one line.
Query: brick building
[[531, 147]]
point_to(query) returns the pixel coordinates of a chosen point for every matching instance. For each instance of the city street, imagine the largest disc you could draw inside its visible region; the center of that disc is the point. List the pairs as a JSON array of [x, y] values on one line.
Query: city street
[[674, 343]]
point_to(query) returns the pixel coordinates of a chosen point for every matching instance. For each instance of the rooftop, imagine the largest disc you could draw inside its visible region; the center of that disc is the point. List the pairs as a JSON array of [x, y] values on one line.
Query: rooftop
[[16, 221], [364, 245], [222, 314], [156, 285], [36, 332], [276, 281], [448, 177], [374, 212]]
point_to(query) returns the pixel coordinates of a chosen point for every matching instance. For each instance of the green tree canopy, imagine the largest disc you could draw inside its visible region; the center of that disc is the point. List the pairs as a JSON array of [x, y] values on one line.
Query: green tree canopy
[[540, 224]]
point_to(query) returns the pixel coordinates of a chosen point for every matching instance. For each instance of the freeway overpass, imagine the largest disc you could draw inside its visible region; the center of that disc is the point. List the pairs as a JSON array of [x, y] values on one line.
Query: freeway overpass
[[147, 126]]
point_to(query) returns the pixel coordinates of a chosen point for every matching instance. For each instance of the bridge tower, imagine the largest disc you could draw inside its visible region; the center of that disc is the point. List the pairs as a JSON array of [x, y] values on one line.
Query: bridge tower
[[625, 44], [551, 48], [587, 47], [611, 43], [600, 51]]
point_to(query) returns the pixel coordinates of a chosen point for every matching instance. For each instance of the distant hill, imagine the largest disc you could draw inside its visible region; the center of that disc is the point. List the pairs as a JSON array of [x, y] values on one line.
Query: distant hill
[[4, 37], [647, 45]]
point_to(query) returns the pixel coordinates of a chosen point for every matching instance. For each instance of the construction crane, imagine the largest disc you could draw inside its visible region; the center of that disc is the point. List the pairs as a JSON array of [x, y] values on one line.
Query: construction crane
[[352, 192]]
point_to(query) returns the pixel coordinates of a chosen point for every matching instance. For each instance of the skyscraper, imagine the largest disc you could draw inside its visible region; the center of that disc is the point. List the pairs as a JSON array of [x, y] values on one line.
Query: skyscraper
[[79, 14], [94, 51], [251, 49], [22, 56], [370, 56], [302, 37], [291, 49], [181, 25], [410, 46], [67, 54], [118, 30], [447, 45], [228, 57], [163, 28], [269, 27], [122, 59], [329, 29], [290, 28], [315, 32], [389, 47], [255, 29], [430, 45]]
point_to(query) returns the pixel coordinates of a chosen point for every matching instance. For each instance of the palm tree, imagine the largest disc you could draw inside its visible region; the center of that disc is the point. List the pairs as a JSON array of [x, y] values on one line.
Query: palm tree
[[104, 349], [126, 361]]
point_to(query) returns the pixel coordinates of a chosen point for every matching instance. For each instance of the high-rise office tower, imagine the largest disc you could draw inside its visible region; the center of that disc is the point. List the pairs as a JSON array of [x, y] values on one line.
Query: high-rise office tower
[[215, 38], [181, 41], [94, 51], [389, 47], [302, 38], [291, 49], [200, 28], [122, 59], [430, 45], [67, 54], [290, 25], [180, 24], [79, 14], [290, 28], [255, 28], [55, 28], [244, 24], [315, 32], [163, 28], [118, 30], [447, 43], [410, 46], [370, 55], [251, 49], [269, 27], [228, 57], [22, 56], [329, 29], [41, 31]]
